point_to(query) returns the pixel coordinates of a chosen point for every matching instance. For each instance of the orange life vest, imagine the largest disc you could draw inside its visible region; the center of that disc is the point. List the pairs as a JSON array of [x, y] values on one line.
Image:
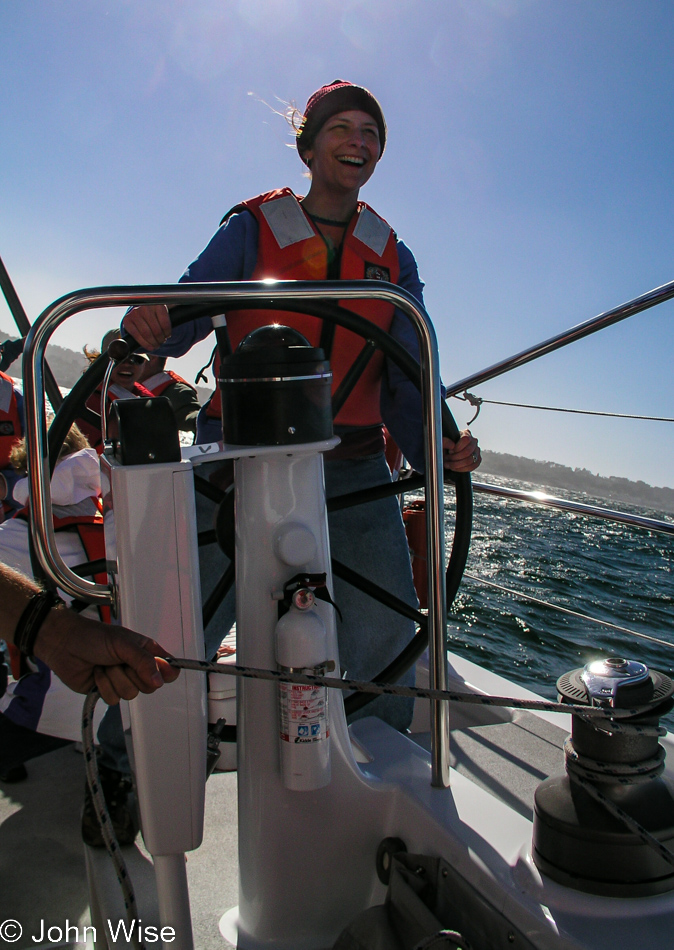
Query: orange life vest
[[161, 381], [10, 420], [89, 527], [90, 530], [291, 248], [10, 426]]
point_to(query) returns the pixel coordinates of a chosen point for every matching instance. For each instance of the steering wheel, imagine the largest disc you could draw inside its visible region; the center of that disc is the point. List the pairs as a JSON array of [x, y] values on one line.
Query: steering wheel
[[375, 338]]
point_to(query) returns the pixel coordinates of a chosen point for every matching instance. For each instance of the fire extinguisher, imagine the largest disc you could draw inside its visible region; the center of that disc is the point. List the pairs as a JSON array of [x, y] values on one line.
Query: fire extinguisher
[[414, 517], [302, 647]]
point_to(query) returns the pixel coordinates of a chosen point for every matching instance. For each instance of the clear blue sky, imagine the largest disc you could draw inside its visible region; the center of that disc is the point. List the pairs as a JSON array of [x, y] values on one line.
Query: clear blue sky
[[529, 167]]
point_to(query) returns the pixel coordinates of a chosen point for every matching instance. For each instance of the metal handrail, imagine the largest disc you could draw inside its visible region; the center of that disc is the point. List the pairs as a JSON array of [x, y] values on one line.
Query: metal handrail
[[580, 508], [600, 322], [227, 295]]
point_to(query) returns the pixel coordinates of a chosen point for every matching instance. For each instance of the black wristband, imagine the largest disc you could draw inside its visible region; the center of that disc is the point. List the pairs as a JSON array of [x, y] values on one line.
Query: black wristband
[[32, 618]]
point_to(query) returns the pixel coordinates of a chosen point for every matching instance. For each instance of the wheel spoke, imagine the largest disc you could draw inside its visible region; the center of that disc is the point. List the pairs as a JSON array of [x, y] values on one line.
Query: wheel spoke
[[207, 489], [350, 379], [378, 593], [365, 495], [207, 537], [218, 594]]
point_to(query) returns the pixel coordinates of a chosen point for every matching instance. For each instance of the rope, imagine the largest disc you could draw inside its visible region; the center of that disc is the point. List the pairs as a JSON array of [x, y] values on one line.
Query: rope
[[478, 401], [591, 714], [112, 847], [585, 772], [620, 773], [567, 610], [604, 719]]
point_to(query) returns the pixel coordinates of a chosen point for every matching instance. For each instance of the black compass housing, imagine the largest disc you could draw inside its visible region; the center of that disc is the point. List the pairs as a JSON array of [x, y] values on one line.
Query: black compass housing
[[275, 390]]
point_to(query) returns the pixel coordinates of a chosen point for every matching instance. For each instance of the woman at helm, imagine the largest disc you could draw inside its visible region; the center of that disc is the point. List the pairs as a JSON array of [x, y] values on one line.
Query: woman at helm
[[331, 234]]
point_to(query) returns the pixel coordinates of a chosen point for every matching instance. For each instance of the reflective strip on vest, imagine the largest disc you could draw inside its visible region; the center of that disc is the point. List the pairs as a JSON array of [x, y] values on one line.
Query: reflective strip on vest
[[160, 381], [286, 221]]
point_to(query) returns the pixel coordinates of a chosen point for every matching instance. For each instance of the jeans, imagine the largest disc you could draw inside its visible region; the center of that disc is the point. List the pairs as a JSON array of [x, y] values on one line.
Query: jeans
[[370, 539]]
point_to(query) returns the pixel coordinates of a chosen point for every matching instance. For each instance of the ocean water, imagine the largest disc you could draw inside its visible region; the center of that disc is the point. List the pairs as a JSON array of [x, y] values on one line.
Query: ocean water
[[605, 570]]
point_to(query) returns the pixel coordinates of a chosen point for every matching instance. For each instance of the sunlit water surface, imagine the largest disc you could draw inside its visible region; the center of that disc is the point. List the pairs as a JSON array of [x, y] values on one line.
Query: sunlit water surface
[[606, 570]]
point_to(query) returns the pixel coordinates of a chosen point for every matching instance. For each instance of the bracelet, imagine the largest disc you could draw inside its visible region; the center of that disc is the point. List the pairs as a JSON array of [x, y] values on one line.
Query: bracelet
[[32, 618]]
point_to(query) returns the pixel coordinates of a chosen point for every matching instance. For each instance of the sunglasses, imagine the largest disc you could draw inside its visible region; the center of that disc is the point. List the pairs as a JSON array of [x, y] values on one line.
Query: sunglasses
[[135, 359]]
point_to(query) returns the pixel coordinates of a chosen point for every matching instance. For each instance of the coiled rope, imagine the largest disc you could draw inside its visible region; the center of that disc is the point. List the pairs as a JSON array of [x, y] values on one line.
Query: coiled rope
[[587, 772], [603, 719]]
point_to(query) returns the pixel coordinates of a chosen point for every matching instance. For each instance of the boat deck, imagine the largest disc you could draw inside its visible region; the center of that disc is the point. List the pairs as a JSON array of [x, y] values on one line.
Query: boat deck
[[42, 862]]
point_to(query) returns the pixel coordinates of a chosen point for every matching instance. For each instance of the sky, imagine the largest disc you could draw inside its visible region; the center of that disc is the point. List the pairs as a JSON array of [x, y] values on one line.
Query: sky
[[528, 166]]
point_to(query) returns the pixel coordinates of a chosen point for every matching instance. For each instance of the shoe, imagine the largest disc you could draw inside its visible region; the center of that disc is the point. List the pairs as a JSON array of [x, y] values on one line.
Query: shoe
[[120, 798], [14, 773]]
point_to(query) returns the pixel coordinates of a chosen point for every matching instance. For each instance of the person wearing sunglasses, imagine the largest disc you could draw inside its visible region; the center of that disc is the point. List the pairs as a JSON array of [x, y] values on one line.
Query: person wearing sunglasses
[[124, 384]]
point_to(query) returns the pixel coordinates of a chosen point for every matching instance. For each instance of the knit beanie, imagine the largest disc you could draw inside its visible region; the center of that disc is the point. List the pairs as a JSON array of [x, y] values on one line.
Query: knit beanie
[[337, 96]]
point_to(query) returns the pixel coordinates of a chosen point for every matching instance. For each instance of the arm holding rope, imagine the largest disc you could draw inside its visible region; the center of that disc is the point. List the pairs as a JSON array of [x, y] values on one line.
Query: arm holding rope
[[81, 652]]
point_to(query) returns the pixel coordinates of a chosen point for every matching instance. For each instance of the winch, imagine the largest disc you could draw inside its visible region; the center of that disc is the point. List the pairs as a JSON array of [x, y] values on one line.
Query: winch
[[578, 840]]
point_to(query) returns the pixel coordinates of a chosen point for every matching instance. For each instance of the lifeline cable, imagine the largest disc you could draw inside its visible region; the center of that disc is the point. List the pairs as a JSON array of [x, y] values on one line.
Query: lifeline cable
[[478, 401], [567, 610]]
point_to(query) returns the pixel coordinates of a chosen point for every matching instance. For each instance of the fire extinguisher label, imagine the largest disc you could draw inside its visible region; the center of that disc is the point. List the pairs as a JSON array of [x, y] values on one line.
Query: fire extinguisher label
[[303, 713]]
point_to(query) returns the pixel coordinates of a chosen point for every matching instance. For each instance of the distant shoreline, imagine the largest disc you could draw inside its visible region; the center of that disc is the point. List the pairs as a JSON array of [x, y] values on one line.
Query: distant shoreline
[[552, 475], [68, 365]]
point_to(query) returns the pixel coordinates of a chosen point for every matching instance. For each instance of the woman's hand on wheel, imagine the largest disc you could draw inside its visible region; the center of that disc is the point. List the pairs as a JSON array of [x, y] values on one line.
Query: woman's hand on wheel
[[150, 326], [463, 455]]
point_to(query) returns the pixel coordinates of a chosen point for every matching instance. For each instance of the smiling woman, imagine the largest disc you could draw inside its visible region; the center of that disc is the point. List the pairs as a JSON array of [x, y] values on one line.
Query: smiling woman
[[124, 384], [330, 235]]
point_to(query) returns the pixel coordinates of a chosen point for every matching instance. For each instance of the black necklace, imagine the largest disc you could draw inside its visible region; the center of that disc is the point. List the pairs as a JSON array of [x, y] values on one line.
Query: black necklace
[[334, 224]]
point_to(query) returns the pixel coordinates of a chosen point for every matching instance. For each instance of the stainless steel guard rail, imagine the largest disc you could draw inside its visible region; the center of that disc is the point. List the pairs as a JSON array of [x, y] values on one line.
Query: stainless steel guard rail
[[576, 507], [608, 318], [286, 292]]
